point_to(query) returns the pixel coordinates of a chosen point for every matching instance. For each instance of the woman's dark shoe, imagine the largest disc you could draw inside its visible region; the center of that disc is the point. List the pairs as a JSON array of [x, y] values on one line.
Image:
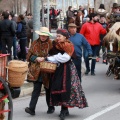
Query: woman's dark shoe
[[87, 71], [28, 110], [51, 110], [63, 114]]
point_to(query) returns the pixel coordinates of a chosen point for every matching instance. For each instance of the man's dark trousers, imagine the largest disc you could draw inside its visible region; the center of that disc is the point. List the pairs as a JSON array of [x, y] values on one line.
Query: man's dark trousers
[[7, 41]]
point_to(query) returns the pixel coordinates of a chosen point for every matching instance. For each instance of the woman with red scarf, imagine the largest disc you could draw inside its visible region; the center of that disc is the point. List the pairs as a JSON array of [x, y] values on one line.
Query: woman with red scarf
[[66, 89]]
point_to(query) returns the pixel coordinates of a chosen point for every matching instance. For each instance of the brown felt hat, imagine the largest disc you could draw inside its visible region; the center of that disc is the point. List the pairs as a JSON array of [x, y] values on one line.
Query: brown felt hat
[[72, 25], [115, 5]]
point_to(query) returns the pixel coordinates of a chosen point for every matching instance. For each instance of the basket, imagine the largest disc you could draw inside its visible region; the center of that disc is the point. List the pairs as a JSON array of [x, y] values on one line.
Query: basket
[[48, 67], [17, 65], [16, 79], [17, 72]]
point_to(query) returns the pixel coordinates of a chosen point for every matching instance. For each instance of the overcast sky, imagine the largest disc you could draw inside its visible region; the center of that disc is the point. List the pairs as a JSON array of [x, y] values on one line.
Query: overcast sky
[[80, 2]]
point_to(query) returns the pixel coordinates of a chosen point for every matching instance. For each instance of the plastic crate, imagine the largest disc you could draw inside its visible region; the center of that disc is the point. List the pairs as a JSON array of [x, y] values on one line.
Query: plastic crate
[[3, 64]]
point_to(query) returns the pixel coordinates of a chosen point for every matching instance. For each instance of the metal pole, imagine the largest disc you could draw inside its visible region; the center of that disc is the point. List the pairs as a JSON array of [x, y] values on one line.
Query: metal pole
[[36, 18], [48, 12]]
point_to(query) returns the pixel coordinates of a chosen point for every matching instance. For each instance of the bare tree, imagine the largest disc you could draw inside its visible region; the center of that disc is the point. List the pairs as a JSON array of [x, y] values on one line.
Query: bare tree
[[32, 6], [18, 10], [31, 3], [15, 6], [29, 6], [20, 6]]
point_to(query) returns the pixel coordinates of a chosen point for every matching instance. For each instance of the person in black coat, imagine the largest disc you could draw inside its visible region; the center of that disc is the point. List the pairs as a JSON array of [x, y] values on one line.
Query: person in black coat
[[7, 32], [22, 36]]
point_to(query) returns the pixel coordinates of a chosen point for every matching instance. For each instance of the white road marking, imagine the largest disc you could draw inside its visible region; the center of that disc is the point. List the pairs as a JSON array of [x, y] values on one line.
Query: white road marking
[[92, 117]]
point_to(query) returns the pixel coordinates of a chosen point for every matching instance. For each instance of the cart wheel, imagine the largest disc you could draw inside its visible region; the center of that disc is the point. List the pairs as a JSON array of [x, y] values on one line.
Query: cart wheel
[[7, 94]]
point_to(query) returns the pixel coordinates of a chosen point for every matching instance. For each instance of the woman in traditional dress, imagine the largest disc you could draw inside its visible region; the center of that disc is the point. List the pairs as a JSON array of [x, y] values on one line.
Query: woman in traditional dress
[[66, 89]]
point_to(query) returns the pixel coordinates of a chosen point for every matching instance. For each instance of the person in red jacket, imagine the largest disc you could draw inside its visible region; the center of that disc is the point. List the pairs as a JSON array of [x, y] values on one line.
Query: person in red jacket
[[92, 30]]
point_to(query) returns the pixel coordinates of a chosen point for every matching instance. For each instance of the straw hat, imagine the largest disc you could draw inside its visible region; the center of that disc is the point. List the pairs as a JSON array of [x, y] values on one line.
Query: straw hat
[[44, 31]]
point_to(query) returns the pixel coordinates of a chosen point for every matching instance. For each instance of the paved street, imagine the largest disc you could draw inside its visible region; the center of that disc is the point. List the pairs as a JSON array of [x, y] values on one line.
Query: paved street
[[103, 95]]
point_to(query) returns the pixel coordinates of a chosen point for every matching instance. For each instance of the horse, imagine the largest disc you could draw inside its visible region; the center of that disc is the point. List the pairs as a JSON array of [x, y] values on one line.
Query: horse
[[112, 43], [112, 38]]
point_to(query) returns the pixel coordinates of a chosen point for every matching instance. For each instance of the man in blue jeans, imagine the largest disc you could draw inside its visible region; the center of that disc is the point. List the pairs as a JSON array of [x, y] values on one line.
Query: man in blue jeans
[[87, 64], [78, 40], [92, 31]]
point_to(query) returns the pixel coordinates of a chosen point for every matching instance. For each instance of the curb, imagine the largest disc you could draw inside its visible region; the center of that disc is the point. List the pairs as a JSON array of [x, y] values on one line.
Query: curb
[[26, 89]]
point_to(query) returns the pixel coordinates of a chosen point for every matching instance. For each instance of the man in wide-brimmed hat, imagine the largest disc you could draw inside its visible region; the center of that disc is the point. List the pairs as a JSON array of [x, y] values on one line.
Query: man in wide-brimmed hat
[[78, 40], [115, 7], [115, 14], [37, 53]]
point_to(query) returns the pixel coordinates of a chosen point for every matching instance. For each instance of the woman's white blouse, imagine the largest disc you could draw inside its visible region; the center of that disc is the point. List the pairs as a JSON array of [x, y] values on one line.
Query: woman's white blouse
[[62, 58]]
